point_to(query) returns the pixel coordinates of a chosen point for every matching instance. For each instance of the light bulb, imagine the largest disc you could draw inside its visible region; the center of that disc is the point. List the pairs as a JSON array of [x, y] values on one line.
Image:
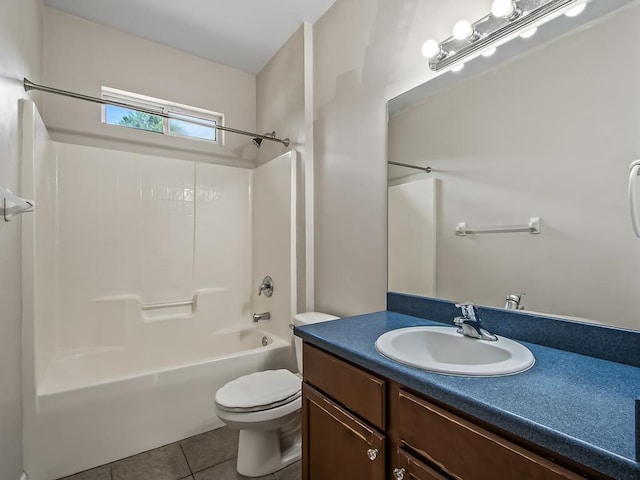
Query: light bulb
[[502, 8], [575, 11], [462, 30], [489, 51], [431, 49], [529, 33], [458, 67]]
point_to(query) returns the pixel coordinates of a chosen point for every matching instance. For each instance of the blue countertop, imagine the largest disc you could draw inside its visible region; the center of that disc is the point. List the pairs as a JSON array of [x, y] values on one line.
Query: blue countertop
[[581, 407]]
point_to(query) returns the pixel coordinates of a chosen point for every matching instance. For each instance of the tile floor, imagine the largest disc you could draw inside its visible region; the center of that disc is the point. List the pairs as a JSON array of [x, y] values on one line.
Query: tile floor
[[208, 456]]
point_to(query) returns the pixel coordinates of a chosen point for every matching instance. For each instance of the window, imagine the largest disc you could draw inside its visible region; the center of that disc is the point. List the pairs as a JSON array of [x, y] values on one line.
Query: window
[[180, 125]]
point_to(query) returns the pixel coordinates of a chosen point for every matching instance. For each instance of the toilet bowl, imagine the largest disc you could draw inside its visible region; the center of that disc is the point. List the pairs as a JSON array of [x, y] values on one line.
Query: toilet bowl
[[265, 407]]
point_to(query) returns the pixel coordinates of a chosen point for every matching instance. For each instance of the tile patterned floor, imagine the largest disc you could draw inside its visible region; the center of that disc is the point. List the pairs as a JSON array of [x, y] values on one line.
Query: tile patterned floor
[[208, 456]]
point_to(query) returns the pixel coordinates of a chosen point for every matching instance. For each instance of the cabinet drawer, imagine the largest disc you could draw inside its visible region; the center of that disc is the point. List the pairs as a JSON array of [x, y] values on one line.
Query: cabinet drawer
[[359, 391], [465, 450], [410, 468]]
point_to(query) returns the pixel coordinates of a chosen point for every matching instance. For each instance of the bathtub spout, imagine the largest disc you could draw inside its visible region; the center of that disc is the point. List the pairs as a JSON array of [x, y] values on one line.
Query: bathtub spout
[[261, 316]]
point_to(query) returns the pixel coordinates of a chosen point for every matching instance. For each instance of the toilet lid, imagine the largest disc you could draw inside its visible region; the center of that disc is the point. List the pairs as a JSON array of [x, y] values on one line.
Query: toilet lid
[[259, 390]]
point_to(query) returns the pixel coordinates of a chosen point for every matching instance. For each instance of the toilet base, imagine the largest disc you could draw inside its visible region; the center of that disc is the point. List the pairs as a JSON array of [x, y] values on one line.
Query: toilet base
[[262, 452]]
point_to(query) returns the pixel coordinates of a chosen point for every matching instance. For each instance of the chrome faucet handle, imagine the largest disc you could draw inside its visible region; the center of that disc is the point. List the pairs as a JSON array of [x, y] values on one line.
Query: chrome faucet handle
[[469, 311], [266, 286], [470, 325], [514, 301]]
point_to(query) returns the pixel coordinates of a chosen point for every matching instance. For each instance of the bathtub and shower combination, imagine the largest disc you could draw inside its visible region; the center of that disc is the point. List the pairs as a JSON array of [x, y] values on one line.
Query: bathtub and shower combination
[[124, 347], [99, 406]]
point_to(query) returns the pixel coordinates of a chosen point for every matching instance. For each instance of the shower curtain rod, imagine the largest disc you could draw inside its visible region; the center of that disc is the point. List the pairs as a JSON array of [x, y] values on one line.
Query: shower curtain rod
[[29, 85], [425, 169]]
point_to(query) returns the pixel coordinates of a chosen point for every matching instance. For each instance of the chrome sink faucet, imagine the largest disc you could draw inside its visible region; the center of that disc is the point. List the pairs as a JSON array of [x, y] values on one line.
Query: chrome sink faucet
[[469, 323]]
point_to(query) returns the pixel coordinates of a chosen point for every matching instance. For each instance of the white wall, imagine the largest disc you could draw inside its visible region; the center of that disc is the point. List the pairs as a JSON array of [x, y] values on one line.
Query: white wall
[[82, 56], [20, 56], [366, 52], [511, 145]]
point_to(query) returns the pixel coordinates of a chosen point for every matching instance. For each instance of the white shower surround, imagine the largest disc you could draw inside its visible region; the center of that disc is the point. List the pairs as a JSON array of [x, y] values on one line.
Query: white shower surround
[[105, 378]]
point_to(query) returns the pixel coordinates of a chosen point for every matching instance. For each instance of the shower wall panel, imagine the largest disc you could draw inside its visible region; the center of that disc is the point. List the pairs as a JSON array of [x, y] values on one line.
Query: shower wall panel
[[39, 261], [274, 246], [136, 231]]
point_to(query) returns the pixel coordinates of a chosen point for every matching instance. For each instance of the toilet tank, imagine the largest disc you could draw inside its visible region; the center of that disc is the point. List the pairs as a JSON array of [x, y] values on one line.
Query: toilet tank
[[307, 318]]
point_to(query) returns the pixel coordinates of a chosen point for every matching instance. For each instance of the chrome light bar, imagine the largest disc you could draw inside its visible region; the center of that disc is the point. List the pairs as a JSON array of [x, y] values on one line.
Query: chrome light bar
[[491, 29]]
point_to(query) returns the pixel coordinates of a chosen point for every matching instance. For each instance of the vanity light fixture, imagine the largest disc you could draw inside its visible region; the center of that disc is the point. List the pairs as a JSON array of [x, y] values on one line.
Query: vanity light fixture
[[431, 49], [575, 11], [529, 33], [505, 9], [489, 51], [463, 30], [506, 20]]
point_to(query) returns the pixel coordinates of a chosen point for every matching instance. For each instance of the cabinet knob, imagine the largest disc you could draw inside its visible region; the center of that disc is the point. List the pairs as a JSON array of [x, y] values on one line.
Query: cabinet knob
[[398, 473], [372, 453]]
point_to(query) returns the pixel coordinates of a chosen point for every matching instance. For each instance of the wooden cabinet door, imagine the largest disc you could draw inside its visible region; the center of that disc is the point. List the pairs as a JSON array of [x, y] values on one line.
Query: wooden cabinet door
[[336, 444]]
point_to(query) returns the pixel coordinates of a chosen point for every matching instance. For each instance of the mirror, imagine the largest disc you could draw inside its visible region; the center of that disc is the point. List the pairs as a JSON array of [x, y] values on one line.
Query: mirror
[[546, 133]]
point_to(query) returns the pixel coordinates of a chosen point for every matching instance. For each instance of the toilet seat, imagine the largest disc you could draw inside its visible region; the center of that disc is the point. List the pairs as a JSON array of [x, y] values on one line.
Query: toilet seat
[[261, 419], [259, 391], [261, 408]]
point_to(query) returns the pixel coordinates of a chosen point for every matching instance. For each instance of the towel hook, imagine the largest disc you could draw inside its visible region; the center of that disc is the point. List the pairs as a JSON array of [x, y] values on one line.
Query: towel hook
[[13, 205]]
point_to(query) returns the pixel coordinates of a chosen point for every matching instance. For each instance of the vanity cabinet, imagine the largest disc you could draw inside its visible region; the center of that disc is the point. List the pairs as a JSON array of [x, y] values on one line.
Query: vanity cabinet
[[345, 439], [353, 420], [336, 443]]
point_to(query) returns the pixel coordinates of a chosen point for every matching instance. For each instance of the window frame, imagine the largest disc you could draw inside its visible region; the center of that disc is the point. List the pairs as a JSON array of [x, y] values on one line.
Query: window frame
[[164, 107]]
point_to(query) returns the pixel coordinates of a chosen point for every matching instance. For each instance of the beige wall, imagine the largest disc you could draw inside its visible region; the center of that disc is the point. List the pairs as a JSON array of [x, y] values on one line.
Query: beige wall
[[20, 56], [82, 56], [280, 98], [366, 52]]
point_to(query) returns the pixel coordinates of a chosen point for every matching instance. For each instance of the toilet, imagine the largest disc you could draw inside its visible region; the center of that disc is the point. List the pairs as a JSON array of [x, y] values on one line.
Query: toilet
[[265, 407]]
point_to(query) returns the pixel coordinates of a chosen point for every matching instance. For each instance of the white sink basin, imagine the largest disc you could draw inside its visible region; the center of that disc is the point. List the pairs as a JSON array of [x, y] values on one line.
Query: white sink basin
[[443, 350]]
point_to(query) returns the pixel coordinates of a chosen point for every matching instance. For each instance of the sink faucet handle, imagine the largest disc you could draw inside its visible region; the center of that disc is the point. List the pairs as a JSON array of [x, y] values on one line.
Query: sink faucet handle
[[469, 311], [469, 323], [459, 321], [514, 301]]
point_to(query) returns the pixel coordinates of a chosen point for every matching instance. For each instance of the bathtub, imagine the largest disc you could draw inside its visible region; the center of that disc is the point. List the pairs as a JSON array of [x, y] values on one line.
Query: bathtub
[[98, 405]]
